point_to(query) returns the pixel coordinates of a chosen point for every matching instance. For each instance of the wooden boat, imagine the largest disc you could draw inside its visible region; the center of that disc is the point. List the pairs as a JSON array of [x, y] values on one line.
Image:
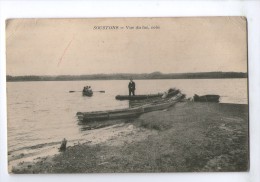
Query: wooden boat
[[206, 98], [164, 104], [88, 93], [109, 114], [138, 97], [170, 93], [129, 112]]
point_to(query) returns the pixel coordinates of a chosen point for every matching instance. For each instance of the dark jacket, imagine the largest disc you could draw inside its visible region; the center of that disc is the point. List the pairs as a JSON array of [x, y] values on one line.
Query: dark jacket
[[131, 85]]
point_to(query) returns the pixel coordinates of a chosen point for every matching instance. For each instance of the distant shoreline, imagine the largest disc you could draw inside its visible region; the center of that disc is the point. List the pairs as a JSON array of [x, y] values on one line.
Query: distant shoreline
[[121, 79], [126, 76]]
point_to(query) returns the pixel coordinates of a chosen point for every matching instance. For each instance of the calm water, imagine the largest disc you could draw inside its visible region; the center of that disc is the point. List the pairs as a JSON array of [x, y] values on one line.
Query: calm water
[[44, 112]]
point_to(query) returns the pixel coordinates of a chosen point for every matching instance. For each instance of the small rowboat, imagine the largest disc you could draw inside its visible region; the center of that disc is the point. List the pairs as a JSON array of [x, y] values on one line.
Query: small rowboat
[[87, 92], [138, 97], [129, 112], [206, 98]]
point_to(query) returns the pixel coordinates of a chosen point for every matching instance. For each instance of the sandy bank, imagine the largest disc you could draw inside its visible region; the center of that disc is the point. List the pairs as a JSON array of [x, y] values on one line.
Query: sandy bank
[[187, 137]]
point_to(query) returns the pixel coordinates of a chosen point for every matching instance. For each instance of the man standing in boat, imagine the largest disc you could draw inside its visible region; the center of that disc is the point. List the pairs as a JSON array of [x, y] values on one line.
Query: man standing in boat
[[131, 87]]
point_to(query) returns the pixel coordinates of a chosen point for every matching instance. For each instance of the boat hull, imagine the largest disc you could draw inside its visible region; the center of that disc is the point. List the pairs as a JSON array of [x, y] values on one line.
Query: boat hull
[[88, 93], [206, 98], [129, 112], [110, 114], [151, 107], [137, 97]]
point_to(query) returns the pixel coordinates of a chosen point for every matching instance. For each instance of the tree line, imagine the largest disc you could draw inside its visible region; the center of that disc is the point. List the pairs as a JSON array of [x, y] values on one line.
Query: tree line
[[126, 76]]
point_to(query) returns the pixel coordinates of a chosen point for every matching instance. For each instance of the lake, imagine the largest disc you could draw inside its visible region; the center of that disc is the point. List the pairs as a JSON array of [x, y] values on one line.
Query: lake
[[45, 112]]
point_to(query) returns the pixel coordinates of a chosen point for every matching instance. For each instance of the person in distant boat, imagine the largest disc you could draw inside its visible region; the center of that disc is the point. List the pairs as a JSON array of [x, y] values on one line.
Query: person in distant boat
[[131, 87], [85, 88]]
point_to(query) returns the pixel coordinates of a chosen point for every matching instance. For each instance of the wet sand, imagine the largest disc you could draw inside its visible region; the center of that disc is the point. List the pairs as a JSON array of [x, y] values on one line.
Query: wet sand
[[187, 137]]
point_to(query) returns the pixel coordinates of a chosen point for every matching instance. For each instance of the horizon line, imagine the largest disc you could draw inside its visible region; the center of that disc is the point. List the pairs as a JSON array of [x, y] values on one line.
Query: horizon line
[[132, 73]]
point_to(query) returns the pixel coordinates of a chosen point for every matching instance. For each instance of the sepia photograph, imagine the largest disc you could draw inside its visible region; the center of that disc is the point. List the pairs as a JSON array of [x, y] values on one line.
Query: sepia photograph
[[127, 95]]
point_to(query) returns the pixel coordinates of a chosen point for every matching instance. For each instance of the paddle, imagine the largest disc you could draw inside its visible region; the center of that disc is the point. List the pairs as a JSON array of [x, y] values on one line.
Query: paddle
[[101, 91]]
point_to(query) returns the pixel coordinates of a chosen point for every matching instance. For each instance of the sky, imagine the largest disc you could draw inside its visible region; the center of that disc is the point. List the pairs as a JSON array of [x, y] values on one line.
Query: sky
[[74, 47]]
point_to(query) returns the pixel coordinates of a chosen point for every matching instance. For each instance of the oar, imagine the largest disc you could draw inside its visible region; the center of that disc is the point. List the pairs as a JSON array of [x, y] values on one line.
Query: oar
[[74, 91], [101, 91]]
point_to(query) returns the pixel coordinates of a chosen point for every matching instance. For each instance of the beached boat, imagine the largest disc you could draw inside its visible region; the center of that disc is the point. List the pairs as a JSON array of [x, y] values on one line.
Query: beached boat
[[137, 97], [129, 112], [206, 98], [109, 114]]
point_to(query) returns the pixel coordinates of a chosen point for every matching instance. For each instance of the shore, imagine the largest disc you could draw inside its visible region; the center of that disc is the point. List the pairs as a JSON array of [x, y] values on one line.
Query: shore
[[187, 137]]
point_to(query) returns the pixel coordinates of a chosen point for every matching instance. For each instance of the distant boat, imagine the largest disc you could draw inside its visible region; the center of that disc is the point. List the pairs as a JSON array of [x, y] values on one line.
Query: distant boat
[[87, 92], [206, 98]]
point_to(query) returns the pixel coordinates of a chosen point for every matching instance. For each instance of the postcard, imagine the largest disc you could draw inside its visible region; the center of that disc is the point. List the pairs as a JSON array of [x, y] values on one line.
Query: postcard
[[127, 95]]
